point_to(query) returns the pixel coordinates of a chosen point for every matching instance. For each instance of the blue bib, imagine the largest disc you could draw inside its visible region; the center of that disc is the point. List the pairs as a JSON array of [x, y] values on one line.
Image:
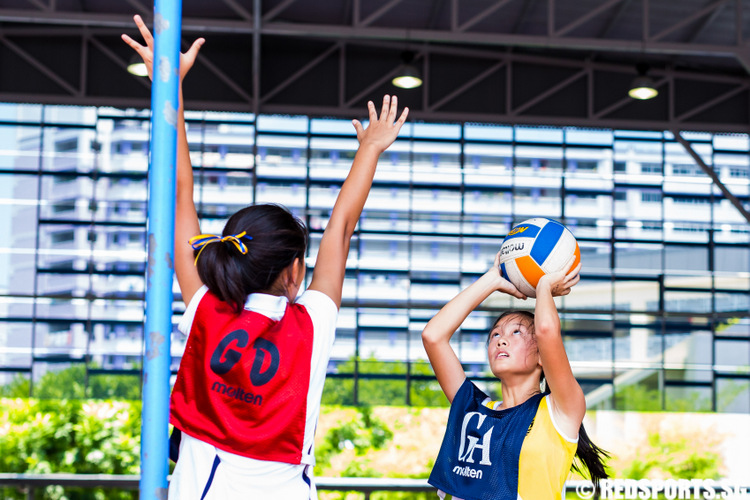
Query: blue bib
[[478, 459]]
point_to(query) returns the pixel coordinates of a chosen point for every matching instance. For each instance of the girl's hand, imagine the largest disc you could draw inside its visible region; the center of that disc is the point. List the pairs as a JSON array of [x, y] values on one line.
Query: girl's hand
[[187, 59], [381, 132], [504, 285], [562, 281]]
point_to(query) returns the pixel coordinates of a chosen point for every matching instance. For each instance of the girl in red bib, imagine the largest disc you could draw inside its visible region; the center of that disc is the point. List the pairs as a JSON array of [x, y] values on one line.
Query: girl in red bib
[[247, 394], [523, 446]]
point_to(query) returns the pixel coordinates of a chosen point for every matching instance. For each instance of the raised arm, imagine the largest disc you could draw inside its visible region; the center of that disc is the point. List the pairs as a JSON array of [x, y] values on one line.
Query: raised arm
[[186, 218], [569, 404], [330, 265], [438, 332]]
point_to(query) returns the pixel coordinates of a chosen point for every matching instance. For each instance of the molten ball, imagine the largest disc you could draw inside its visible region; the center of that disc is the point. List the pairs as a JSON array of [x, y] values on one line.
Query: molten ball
[[534, 248]]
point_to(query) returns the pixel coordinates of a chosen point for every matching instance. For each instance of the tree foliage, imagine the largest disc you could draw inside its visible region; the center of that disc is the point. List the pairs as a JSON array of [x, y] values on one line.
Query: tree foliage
[[76, 436], [75, 383], [676, 457], [388, 385]]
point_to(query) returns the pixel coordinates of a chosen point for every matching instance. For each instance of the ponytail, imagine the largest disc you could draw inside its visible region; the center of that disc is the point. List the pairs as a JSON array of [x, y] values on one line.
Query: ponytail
[[274, 238], [588, 455], [592, 457]]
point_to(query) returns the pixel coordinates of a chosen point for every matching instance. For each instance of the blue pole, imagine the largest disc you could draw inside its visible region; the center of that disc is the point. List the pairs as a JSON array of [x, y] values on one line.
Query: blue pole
[[161, 191]]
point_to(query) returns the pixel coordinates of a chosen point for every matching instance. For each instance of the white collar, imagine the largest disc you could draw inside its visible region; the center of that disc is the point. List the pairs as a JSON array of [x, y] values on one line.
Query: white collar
[[272, 306]]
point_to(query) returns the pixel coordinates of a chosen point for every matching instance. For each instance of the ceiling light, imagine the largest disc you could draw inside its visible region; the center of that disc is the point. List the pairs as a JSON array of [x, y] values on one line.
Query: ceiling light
[[643, 86], [407, 76], [137, 67]]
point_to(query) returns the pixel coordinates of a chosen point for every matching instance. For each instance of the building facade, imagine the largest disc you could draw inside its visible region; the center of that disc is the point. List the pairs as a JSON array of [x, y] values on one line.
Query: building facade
[[659, 320]]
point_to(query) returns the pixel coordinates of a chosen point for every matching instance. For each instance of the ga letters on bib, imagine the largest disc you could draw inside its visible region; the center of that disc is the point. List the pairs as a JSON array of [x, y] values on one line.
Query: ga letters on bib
[[478, 459], [243, 381]]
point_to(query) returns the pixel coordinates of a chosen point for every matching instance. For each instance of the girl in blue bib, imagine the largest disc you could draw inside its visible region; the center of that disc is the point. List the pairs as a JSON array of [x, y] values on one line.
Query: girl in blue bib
[[523, 446]]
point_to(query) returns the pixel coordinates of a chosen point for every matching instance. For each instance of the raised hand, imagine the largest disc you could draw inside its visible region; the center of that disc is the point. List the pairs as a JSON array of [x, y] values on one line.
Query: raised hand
[[187, 59], [562, 281], [381, 132]]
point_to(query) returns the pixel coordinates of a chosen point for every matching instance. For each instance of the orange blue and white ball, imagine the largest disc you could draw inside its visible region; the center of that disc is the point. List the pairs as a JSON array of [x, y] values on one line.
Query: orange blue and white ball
[[533, 248]]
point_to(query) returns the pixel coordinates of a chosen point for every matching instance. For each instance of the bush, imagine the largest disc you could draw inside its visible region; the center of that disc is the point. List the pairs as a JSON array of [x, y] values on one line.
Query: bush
[[73, 436]]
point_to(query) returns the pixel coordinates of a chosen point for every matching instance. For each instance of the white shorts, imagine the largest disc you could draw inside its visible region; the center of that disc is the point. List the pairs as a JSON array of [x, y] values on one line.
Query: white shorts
[[204, 472]]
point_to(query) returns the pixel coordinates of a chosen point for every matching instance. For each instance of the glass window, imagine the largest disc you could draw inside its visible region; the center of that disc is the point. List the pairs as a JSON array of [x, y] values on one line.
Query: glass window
[[657, 321]]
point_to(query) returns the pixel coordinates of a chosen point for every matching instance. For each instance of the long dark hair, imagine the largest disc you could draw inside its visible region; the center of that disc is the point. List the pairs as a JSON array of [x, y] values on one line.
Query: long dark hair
[[588, 454], [274, 239]]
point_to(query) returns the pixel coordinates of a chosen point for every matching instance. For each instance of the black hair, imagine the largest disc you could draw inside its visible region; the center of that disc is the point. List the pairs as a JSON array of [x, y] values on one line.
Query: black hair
[[588, 454], [274, 238]]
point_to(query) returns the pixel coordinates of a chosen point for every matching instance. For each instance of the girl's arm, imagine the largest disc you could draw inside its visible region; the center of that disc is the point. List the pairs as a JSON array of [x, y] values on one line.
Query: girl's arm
[[569, 404], [438, 332], [186, 218], [330, 265]]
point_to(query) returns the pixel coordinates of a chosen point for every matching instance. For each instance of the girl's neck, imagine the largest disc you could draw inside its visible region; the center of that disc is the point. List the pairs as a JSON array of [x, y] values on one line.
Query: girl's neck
[[515, 394]]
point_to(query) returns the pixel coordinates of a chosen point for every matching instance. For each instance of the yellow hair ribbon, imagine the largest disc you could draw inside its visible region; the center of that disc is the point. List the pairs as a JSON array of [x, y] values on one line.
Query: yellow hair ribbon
[[199, 242]]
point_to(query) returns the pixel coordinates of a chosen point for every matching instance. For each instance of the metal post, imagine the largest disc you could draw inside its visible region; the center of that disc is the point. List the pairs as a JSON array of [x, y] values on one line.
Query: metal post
[[156, 363]]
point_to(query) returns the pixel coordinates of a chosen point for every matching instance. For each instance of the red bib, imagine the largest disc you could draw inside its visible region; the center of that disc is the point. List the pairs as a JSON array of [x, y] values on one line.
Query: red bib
[[243, 381]]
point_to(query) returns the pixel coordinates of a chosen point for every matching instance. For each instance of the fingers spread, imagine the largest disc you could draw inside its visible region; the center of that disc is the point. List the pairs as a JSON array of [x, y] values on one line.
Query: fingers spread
[[193, 50], [386, 103], [132, 43], [358, 127], [402, 118], [393, 110], [145, 33]]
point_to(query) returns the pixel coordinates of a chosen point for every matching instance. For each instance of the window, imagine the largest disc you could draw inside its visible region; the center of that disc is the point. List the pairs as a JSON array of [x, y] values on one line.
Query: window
[[687, 170], [66, 146], [442, 200], [62, 236], [651, 168], [651, 197]]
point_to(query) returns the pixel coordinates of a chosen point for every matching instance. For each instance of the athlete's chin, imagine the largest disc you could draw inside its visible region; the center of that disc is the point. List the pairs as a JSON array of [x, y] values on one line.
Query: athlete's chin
[[506, 370]]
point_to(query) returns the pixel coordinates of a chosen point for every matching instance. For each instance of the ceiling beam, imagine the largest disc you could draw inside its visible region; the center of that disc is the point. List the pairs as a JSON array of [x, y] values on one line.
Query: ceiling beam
[[300, 72], [712, 174], [118, 61], [141, 9], [456, 51], [39, 4], [351, 33], [584, 19], [625, 100], [41, 67], [690, 19], [522, 16], [239, 10], [548, 93], [277, 10], [711, 103], [378, 13], [377, 83], [482, 15], [614, 18], [466, 86], [703, 25]]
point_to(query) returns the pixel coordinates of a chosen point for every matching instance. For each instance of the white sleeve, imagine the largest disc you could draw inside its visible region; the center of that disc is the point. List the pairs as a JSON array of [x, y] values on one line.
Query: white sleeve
[[186, 323], [323, 313]]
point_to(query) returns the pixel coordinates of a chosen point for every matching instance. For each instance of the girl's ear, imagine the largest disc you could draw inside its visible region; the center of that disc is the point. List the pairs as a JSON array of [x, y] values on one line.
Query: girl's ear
[[297, 272]]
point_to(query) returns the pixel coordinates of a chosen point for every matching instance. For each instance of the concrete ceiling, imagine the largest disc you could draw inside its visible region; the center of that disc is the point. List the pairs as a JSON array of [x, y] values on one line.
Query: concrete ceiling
[[555, 62]]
